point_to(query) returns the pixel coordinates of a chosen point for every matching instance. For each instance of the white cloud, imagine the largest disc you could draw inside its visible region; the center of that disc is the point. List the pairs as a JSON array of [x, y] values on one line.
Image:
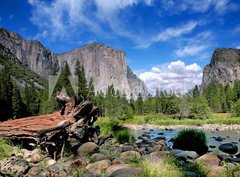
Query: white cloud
[[238, 47], [220, 6], [60, 18], [176, 32], [175, 76], [194, 46], [190, 50], [171, 32]]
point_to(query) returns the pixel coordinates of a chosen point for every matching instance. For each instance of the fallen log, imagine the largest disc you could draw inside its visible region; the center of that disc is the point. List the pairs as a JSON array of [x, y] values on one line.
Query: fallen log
[[52, 131]]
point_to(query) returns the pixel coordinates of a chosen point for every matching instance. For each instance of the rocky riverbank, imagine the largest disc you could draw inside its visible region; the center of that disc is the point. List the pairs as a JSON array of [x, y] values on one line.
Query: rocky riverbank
[[115, 160], [207, 127]]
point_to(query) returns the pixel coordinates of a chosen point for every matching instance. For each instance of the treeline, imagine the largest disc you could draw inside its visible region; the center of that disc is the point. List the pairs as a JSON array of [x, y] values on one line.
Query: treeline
[[198, 104], [15, 103]]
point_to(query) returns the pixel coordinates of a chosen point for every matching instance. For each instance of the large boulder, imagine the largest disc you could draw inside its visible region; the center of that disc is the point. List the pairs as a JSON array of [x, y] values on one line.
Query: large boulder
[[229, 148], [87, 149], [209, 159], [14, 167]]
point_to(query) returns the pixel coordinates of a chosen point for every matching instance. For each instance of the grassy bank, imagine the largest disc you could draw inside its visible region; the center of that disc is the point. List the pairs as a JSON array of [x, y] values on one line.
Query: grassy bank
[[160, 119]]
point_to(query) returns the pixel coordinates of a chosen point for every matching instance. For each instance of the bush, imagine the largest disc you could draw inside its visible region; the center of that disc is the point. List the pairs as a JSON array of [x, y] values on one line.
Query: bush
[[124, 136], [236, 109], [191, 140], [199, 109]]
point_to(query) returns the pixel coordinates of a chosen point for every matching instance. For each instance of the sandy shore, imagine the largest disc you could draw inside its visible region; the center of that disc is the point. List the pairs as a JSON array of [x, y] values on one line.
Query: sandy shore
[[207, 127]]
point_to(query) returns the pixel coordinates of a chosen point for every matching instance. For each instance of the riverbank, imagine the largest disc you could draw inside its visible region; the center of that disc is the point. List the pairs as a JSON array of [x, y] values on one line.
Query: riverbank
[[207, 127]]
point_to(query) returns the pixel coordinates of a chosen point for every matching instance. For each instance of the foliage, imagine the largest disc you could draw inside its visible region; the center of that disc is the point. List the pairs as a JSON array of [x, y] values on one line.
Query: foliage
[[199, 109], [191, 140], [19, 108], [161, 169], [124, 136], [82, 82], [235, 110], [5, 148]]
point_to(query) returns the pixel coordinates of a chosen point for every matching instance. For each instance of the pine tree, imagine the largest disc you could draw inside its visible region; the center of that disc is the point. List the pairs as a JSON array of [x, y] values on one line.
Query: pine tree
[[64, 82], [196, 92], [82, 82], [139, 105], [91, 91], [19, 109], [31, 100], [6, 87]]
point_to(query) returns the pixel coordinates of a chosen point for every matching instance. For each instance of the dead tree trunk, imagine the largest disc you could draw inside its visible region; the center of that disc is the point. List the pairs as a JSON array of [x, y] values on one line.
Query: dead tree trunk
[[52, 132]]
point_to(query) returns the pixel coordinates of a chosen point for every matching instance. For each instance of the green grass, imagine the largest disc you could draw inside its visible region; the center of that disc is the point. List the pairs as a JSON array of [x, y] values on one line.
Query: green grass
[[124, 136], [169, 167], [6, 147], [160, 119]]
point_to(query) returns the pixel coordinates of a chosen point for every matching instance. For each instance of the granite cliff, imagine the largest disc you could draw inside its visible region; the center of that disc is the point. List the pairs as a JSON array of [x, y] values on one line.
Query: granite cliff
[[103, 64], [224, 67]]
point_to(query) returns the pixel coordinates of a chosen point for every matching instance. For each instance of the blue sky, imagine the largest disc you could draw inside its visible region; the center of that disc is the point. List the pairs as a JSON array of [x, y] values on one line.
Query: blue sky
[[166, 41]]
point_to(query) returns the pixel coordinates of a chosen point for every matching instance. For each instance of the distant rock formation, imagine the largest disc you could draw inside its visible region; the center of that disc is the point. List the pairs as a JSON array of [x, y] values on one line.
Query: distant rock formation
[[223, 68], [103, 64]]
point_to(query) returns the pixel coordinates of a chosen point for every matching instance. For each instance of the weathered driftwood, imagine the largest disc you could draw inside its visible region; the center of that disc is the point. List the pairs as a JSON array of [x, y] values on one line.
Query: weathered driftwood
[[53, 131]]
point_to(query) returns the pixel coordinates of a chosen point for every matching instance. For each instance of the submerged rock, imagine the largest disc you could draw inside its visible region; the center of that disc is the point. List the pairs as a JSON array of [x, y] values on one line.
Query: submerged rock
[[229, 148]]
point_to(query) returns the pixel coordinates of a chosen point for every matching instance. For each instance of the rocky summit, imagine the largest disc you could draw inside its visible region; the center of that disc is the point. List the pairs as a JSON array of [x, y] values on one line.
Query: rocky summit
[[103, 64], [224, 67]]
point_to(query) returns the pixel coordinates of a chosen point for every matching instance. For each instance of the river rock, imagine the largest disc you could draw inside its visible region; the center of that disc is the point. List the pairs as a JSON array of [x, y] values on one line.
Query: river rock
[[100, 165], [129, 172], [79, 163], [236, 174], [14, 167], [116, 167], [216, 171], [184, 155], [130, 155], [38, 171], [57, 169], [228, 148], [97, 157], [159, 154], [87, 148], [124, 148], [117, 161], [209, 159], [218, 138]]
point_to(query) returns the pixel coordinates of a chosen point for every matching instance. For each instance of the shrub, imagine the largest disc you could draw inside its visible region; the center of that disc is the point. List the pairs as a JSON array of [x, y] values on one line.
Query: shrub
[[235, 110], [124, 136], [199, 109], [191, 140]]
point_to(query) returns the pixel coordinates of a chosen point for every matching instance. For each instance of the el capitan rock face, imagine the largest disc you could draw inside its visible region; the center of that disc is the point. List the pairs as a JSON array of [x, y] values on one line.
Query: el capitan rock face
[[224, 67], [103, 64]]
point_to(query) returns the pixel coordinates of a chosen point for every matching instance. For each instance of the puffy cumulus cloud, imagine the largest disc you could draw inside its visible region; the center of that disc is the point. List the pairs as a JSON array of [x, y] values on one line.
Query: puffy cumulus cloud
[[175, 77]]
